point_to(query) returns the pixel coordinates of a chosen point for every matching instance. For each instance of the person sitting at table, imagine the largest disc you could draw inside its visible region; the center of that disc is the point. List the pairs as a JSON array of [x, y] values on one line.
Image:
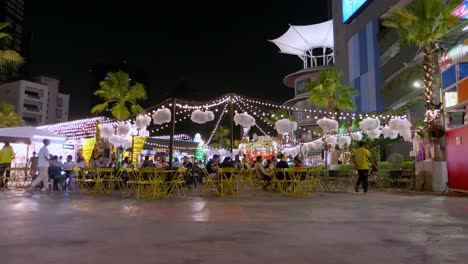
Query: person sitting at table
[[55, 173], [113, 163], [127, 164], [68, 167], [227, 164], [282, 164], [297, 162], [147, 163], [98, 162], [212, 167], [261, 173]]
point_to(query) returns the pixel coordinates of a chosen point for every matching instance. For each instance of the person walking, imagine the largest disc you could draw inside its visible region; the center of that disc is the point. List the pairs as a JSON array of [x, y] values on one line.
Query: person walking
[[6, 155], [361, 158], [43, 164]]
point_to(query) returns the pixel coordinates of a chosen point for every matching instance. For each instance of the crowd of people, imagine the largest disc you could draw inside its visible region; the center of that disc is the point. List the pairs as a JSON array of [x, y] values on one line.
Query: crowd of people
[[44, 166]]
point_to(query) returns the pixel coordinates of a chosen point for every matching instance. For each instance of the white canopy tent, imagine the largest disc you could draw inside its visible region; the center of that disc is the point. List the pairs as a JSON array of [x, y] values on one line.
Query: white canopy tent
[[302, 40], [27, 134]]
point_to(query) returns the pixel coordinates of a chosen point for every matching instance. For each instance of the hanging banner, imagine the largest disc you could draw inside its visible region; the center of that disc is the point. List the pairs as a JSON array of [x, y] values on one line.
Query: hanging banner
[[139, 142], [88, 147]]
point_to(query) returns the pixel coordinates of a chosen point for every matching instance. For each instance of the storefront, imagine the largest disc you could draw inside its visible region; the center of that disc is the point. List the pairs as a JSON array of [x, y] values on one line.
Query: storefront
[[454, 68]]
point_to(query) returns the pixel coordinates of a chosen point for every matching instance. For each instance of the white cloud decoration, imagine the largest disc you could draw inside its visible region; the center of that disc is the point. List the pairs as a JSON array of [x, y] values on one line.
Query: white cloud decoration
[[245, 120], [403, 126], [123, 130], [285, 126], [106, 131], [356, 136], [119, 141], [374, 134], [369, 124], [328, 125], [202, 117], [142, 121], [343, 141], [389, 133], [331, 140], [162, 116]]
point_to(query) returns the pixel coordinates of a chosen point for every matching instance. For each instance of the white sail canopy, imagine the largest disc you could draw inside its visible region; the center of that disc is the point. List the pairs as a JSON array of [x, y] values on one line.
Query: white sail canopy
[[300, 39]]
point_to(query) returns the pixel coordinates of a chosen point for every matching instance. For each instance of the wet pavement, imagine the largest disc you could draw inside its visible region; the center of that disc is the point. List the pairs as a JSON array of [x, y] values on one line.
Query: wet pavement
[[321, 228]]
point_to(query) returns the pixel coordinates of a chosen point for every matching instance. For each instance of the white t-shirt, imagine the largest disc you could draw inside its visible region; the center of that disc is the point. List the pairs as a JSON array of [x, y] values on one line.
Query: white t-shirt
[[42, 156]]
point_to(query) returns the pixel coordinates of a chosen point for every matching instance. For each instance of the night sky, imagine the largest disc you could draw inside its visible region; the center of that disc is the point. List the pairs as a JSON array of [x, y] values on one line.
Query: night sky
[[197, 49]]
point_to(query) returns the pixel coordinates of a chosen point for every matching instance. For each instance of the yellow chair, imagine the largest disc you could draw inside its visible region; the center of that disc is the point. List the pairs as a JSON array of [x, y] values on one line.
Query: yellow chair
[[228, 181], [296, 180], [208, 182], [312, 180], [281, 183], [177, 183], [249, 177], [130, 185]]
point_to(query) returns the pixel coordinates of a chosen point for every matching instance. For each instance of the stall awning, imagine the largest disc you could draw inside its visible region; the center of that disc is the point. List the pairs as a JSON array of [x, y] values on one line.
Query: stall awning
[[26, 134]]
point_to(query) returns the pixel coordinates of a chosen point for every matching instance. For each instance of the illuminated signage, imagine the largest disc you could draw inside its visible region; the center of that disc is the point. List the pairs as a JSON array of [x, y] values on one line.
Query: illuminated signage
[[68, 146], [452, 55], [462, 10], [351, 8]]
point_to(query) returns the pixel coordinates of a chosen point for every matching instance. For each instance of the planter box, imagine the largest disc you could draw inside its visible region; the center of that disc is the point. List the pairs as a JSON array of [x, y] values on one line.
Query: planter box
[[431, 176]]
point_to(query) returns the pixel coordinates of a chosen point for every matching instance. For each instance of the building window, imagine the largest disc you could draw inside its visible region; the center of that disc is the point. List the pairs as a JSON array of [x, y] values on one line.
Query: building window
[[59, 102], [32, 94], [31, 107], [58, 113], [301, 86]]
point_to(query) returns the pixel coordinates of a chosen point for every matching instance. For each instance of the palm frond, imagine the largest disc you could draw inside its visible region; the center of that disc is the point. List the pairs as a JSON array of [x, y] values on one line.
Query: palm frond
[[137, 92], [3, 25], [10, 58], [120, 111], [136, 109], [99, 108]]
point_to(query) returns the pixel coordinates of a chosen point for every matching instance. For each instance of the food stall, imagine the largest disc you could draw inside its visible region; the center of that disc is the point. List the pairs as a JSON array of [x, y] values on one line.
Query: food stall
[[25, 140], [453, 66]]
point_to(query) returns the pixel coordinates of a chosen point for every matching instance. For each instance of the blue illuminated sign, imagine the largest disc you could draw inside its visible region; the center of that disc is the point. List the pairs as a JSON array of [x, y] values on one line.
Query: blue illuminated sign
[[350, 7]]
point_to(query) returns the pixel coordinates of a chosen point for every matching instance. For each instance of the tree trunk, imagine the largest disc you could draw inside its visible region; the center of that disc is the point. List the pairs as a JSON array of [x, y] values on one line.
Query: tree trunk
[[438, 155], [428, 79]]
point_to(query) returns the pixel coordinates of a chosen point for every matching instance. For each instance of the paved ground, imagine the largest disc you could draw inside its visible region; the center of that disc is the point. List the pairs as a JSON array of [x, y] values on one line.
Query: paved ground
[[327, 228]]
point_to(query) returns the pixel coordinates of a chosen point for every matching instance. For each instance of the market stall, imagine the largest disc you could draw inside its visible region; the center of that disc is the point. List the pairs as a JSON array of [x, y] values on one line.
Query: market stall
[[25, 140]]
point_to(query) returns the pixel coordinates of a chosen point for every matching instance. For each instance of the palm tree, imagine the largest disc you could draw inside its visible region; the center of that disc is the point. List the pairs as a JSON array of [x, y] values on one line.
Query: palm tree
[[8, 57], [425, 23], [8, 116], [119, 92], [327, 92], [220, 137]]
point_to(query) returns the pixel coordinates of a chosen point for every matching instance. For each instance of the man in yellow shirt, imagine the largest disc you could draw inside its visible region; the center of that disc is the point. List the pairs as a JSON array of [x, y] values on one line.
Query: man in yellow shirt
[[361, 158], [6, 155]]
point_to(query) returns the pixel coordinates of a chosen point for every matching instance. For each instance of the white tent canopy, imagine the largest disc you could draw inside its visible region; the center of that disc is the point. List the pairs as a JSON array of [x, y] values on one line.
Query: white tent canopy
[[26, 134], [298, 40]]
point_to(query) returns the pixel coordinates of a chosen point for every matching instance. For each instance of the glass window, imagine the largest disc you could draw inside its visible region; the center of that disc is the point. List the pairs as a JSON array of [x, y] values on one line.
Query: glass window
[[449, 77], [463, 70], [301, 86]]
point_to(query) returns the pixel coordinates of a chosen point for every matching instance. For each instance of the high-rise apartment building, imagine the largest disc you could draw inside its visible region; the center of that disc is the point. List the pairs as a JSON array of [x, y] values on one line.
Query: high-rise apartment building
[[38, 102]]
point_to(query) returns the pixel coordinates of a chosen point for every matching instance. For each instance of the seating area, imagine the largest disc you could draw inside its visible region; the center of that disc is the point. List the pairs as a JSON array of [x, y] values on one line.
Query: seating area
[[155, 183]]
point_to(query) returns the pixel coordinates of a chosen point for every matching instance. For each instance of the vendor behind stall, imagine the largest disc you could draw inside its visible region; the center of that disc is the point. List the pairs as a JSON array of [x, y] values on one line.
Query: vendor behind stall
[[6, 156]]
